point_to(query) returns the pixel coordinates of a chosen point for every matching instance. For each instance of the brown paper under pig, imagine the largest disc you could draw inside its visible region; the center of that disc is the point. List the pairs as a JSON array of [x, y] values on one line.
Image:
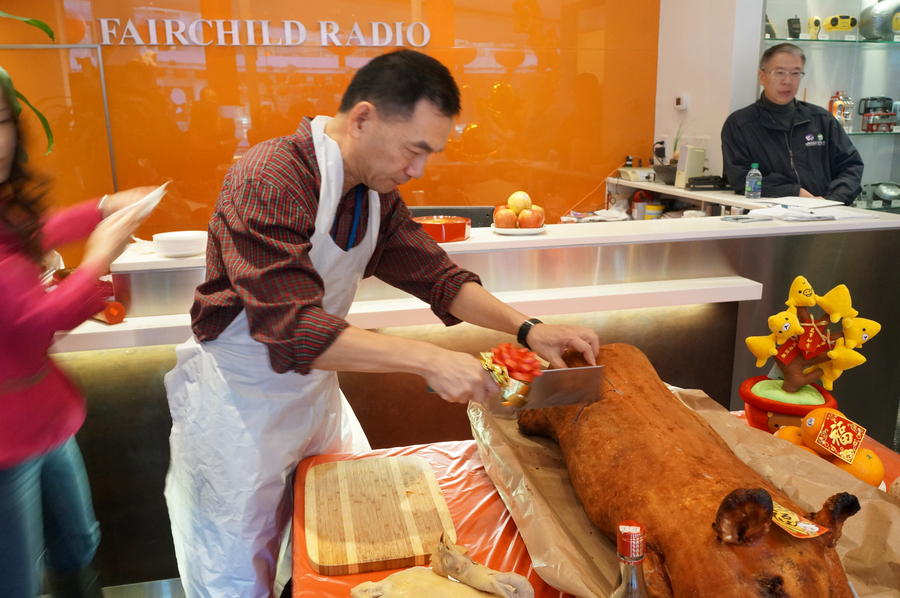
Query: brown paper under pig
[[572, 555]]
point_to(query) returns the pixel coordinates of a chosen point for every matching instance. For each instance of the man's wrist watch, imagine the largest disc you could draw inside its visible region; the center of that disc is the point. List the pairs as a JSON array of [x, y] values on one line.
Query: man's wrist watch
[[524, 329]]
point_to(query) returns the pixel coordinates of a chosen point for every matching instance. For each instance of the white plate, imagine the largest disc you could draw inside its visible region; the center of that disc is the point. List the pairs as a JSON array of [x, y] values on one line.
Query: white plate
[[146, 204], [179, 243], [518, 231], [186, 253]]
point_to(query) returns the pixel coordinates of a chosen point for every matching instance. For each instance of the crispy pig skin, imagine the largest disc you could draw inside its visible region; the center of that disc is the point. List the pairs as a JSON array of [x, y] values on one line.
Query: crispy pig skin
[[639, 453]]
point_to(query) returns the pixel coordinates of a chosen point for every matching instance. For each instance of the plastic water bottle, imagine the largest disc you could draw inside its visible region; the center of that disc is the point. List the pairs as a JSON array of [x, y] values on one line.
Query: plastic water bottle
[[753, 188]]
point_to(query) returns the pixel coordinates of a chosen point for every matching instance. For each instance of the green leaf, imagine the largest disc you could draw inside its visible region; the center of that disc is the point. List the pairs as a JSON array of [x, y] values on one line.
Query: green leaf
[[43, 120], [33, 22]]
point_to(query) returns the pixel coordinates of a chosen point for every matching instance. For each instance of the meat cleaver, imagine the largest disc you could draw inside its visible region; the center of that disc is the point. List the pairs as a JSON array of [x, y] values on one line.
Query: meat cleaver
[[568, 386], [553, 388]]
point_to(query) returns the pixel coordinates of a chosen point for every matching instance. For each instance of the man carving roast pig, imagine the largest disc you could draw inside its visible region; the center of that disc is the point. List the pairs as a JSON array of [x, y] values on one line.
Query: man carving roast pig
[[299, 222]]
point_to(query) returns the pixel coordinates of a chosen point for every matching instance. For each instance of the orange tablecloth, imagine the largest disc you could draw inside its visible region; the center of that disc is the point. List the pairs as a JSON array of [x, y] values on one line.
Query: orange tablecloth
[[482, 522]]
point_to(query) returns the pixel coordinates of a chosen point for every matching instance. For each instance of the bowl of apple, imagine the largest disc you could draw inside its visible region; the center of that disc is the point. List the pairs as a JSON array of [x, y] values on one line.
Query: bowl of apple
[[518, 216]]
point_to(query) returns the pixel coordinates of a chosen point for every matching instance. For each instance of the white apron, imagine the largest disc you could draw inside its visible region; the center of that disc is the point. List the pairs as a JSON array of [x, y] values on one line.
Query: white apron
[[239, 429]]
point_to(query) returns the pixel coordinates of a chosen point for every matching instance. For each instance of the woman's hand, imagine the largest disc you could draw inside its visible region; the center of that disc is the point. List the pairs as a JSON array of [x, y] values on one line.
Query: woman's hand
[[108, 240], [123, 199]]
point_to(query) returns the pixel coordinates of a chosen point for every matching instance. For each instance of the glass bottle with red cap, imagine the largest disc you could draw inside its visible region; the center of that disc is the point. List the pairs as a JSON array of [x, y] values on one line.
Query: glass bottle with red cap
[[630, 546]]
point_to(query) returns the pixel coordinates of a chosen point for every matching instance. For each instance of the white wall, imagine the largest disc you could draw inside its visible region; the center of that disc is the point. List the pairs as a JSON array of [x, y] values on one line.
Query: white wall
[[709, 50]]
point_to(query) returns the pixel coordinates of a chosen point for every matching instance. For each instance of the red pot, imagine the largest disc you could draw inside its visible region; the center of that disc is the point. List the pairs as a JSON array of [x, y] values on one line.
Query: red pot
[[766, 414], [446, 229]]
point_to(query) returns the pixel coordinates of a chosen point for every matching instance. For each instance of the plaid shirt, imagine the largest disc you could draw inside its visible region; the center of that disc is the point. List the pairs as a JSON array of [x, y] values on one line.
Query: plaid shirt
[[258, 259]]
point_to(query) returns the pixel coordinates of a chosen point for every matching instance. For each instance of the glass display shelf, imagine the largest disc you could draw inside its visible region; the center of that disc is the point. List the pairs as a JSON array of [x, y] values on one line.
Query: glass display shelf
[[795, 40], [883, 209], [879, 133]]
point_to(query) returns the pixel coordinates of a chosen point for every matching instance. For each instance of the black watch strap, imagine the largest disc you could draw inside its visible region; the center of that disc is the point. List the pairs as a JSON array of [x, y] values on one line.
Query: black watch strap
[[526, 326]]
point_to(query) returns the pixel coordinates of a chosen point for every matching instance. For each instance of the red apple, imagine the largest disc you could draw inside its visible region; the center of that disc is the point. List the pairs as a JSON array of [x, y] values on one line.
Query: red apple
[[505, 218], [519, 201], [540, 210], [530, 219], [502, 206]]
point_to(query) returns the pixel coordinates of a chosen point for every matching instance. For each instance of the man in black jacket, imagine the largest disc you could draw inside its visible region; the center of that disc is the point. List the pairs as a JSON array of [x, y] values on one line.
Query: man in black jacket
[[802, 150]]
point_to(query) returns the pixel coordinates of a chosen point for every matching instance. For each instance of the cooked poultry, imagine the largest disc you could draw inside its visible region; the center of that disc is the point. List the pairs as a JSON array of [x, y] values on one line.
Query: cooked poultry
[[452, 560], [639, 453], [448, 560], [415, 583]]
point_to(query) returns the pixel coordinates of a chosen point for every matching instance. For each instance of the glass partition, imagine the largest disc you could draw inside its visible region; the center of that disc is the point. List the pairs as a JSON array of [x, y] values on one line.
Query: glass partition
[[555, 93]]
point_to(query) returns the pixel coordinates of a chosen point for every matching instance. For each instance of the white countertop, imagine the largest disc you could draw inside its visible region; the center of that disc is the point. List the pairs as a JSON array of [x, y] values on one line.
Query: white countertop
[[626, 232], [158, 330], [661, 231]]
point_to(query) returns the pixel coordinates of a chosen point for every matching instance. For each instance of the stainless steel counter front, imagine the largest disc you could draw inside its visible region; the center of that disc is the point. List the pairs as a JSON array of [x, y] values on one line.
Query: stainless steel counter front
[[604, 267]]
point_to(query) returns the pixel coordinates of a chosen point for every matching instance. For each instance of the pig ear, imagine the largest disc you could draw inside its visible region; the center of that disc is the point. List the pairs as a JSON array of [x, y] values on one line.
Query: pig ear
[[744, 516], [833, 514]]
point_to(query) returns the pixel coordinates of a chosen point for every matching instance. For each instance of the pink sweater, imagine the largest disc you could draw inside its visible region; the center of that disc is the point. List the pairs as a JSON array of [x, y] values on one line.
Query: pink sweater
[[39, 407]]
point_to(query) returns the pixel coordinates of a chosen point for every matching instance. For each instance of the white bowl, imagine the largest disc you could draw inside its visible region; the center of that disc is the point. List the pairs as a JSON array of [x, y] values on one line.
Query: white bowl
[[183, 243]]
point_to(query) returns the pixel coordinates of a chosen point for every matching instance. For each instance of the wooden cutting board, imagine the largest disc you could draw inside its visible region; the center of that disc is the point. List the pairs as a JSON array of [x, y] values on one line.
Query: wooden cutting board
[[373, 514]]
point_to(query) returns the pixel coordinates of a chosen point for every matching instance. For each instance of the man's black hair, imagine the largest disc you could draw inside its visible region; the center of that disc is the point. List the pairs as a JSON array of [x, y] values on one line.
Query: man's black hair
[[395, 82]]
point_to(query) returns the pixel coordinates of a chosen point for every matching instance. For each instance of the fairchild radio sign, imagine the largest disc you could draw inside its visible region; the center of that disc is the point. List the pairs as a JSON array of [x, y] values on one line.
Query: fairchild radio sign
[[234, 32]]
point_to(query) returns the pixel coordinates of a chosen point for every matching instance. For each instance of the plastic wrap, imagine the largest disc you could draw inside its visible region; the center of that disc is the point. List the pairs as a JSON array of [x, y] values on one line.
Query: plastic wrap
[[570, 553], [531, 476], [482, 522]]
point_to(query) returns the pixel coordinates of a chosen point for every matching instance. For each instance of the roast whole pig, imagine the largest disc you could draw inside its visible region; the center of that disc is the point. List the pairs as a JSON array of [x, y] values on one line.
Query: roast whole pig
[[639, 453]]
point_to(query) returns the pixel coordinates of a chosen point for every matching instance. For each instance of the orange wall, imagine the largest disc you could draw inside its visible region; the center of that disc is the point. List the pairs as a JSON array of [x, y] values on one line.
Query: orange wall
[[555, 94]]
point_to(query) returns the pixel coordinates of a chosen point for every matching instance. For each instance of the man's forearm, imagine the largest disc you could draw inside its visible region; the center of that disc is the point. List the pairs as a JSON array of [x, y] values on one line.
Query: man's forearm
[[358, 350], [475, 305], [846, 186], [456, 377]]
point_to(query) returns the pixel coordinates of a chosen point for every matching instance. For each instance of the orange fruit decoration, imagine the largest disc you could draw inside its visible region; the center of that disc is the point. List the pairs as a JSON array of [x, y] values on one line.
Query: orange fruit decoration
[[866, 466], [811, 425], [792, 434], [809, 450]]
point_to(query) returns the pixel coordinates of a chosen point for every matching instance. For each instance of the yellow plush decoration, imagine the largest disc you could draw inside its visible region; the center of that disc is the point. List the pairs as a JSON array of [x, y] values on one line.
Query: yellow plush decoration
[[813, 336], [842, 358], [762, 348], [784, 325], [837, 303], [828, 374], [801, 294], [858, 330]]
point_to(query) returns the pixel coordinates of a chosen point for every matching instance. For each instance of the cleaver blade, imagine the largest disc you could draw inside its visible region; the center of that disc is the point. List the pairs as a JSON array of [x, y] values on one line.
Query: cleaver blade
[[565, 387]]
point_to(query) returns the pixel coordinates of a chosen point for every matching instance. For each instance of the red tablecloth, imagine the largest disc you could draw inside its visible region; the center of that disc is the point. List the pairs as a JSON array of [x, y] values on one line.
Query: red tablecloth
[[482, 522]]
